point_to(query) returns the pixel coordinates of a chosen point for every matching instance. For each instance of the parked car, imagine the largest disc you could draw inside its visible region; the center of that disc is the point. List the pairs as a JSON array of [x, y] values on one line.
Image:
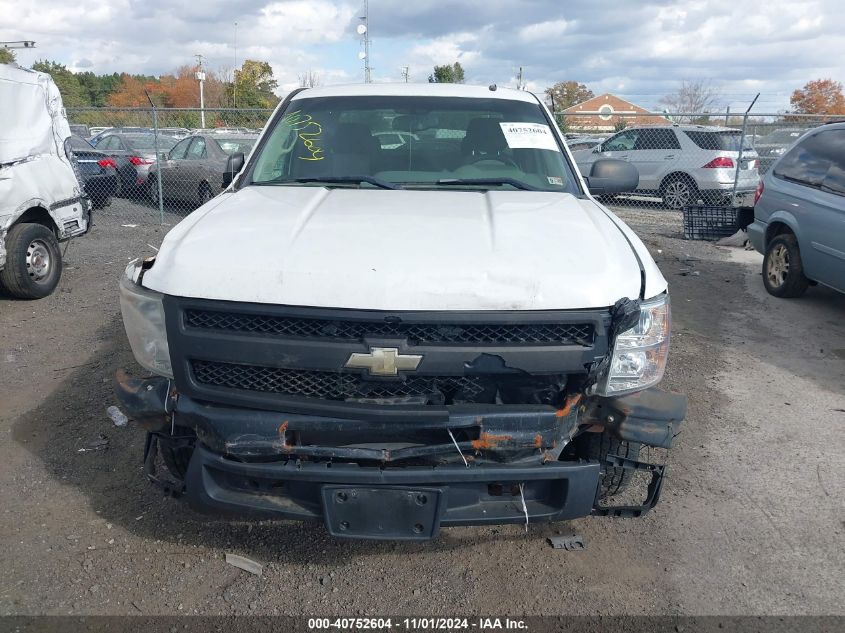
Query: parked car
[[772, 146], [447, 333], [799, 215], [42, 202], [683, 163], [222, 130], [95, 131], [193, 169], [133, 154], [98, 171], [94, 140], [175, 132]]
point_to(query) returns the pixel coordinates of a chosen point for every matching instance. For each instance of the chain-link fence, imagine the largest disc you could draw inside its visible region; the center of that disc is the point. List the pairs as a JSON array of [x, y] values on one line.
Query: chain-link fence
[[156, 166], [159, 165], [685, 159]]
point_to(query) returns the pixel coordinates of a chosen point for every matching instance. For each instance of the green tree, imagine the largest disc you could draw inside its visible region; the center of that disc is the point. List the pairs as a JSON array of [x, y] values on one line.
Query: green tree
[[72, 93], [565, 94], [7, 56], [447, 74], [97, 88], [253, 86]]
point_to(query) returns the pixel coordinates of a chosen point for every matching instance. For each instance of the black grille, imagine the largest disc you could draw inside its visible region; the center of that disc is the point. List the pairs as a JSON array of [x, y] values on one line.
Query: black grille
[[328, 385], [415, 333]]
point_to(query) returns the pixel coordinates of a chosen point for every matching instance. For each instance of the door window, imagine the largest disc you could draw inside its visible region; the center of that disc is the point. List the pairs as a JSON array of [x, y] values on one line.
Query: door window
[[656, 138], [832, 145], [816, 161], [197, 149], [178, 152]]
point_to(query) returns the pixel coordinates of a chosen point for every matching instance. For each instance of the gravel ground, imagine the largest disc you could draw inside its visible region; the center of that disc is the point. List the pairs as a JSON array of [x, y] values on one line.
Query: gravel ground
[[751, 520]]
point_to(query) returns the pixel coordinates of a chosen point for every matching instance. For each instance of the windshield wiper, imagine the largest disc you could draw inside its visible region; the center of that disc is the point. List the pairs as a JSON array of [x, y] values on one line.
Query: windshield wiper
[[371, 180], [487, 181]]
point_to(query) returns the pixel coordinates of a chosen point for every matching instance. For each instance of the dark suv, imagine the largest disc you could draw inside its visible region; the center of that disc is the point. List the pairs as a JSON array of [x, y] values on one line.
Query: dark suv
[[799, 215]]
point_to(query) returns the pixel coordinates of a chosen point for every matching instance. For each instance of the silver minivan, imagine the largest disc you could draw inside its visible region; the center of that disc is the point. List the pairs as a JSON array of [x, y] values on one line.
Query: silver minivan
[[799, 215], [683, 163]]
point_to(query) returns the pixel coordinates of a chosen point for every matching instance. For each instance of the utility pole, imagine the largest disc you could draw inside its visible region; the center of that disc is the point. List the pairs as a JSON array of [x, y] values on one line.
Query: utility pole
[[405, 71], [364, 31], [520, 85], [200, 75]]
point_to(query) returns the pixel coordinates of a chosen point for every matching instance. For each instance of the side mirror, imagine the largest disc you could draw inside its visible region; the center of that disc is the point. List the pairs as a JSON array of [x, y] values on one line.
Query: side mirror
[[234, 164], [610, 175], [597, 149]]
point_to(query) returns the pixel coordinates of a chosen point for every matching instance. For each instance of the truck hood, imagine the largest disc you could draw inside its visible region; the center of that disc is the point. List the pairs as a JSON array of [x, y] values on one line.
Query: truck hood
[[403, 250]]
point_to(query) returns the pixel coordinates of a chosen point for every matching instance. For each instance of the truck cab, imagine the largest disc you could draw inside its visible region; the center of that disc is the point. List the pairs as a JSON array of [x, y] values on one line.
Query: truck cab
[[451, 331], [42, 201]]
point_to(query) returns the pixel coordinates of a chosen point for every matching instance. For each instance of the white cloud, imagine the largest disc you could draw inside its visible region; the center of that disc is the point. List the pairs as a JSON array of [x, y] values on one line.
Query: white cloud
[[541, 31], [446, 50], [770, 46]]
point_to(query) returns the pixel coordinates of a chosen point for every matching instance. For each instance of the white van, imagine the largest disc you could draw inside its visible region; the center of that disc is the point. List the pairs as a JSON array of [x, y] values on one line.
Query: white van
[[42, 202]]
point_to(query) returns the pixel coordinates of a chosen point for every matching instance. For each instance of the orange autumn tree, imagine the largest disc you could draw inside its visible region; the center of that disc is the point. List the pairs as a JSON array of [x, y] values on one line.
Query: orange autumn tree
[[821, 96], [130, 93], [179, 90]]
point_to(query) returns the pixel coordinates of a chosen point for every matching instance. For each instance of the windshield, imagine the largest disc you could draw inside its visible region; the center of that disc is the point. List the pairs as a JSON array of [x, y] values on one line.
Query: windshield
[[415, 142]]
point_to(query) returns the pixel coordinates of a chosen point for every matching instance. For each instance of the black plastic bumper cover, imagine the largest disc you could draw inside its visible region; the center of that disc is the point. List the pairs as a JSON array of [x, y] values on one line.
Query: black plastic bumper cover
[[477, 495]]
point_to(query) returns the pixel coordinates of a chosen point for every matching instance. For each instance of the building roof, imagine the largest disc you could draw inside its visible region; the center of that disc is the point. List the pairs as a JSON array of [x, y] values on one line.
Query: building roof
[[604, 111]]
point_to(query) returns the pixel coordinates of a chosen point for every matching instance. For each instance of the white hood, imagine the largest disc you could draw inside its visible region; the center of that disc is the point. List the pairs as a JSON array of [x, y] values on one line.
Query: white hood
[[403, 250]]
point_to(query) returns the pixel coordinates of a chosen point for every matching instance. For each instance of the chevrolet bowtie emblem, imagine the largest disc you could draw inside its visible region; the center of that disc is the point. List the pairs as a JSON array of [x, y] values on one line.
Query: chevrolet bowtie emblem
[[384, 361]]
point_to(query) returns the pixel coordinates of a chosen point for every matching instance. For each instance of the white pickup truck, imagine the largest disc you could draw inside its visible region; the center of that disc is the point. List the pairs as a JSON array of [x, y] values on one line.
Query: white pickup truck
[[42, 201], [391, 339]]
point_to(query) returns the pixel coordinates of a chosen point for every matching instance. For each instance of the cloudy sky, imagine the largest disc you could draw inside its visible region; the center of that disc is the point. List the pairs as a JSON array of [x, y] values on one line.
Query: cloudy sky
[[638, 50]]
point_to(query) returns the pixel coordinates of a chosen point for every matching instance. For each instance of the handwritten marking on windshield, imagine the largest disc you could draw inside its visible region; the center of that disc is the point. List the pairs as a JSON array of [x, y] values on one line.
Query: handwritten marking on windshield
[[309, 132]]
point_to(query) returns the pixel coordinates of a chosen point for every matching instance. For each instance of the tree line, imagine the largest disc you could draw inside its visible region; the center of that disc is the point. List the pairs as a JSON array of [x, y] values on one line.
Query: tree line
[[253, 85], [250, 86]]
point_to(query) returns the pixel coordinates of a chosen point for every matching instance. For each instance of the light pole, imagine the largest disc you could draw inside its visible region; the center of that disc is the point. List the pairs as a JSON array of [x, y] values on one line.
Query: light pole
[[364, 31], [200, 75]]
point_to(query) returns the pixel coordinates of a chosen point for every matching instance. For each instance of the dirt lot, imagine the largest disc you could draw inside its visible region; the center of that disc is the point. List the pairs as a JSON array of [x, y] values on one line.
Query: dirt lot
[[751, 520]]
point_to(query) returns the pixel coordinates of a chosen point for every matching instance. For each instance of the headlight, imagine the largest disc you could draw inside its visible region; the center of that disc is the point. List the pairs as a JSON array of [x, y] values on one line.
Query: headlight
[[640, 354], [778, 150], [143, 319]]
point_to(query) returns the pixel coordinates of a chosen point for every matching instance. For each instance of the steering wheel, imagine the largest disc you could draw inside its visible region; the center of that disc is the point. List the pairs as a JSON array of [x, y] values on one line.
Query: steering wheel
[[502, 160]]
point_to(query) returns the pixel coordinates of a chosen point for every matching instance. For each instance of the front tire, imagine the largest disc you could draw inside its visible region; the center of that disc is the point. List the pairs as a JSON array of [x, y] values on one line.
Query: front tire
[[783, 271], [205, 193], [33, 262], [678, 192], [152, 186]]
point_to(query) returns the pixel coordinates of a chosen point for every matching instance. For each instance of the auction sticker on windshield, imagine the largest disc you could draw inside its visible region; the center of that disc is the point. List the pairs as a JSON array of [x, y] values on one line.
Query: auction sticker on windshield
[[529, 136]]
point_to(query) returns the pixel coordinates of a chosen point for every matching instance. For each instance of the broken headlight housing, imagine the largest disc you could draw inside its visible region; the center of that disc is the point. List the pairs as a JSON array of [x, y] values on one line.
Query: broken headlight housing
[[143, 319], [640, 354]]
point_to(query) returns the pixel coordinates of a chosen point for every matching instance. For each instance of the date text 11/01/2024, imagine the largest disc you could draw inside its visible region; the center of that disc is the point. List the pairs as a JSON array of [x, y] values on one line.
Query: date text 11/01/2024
[[416, 624]]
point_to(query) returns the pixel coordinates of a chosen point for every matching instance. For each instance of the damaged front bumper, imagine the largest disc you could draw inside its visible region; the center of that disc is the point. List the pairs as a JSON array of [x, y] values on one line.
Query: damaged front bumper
[[481, 465]]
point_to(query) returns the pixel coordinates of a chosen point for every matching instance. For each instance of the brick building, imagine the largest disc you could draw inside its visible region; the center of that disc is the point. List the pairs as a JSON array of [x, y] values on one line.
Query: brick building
[[610, 109]]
